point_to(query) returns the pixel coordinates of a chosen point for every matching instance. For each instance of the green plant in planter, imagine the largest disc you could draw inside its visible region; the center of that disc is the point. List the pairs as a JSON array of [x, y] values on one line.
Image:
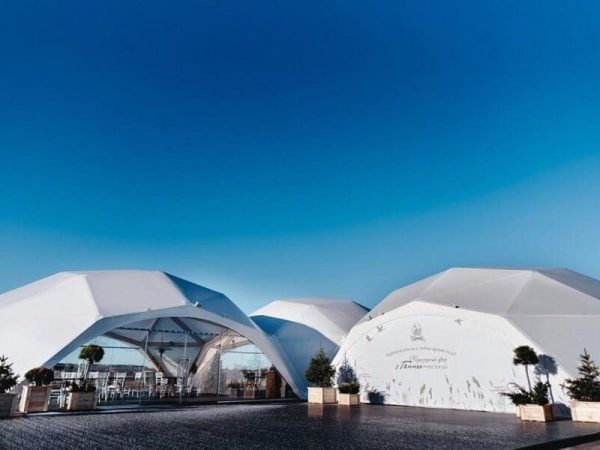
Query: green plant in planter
[[525, 356], [586, 388], [346, 379], [519, 395], [546, 367], [8, 379], [92, 354], [40, 376], [346, 373], [539, 394], [349, 388], [76, 387], [320, 372]]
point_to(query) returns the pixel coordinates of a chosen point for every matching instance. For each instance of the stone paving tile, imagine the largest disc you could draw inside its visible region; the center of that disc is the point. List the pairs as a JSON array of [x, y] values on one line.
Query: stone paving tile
[[279, 426]]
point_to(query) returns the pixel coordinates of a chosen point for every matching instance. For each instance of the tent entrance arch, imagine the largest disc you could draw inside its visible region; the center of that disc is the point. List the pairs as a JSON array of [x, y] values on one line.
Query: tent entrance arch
[[176, 360], [70, 309]]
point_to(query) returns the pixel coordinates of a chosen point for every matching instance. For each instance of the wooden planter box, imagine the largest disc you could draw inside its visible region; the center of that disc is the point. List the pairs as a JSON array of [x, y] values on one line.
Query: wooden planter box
[[8, 405], [34, 399], [537, 413], [321, 395], [348, 399], [585, 411], [81, 401]]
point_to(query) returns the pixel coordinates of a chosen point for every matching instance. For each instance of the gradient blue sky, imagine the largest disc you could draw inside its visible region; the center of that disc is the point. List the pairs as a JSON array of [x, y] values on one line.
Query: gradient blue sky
[[274, 149]]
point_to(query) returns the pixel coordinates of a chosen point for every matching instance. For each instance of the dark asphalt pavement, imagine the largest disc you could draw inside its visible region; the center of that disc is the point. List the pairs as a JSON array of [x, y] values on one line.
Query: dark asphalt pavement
[[278, 426]]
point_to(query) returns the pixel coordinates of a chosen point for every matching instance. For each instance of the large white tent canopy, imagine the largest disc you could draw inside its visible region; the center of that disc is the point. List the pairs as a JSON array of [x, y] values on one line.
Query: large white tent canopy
[[447, 340], [44, 321]]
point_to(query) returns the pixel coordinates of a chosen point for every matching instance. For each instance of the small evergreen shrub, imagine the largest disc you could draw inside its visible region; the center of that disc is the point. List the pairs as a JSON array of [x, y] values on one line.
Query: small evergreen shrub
[[519, 395], [320, 372], [349, 388], [346, 373], [586, 387], [346, 379], [8, 379], [539, 394]]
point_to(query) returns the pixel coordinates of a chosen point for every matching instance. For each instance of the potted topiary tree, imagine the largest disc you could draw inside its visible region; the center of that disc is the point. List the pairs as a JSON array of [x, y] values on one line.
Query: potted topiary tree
[[539, 410], [35, 396], [82, 396], [532, 404], [319, 375], [348, 385], [8, 380], [525, 356], [585, 391]]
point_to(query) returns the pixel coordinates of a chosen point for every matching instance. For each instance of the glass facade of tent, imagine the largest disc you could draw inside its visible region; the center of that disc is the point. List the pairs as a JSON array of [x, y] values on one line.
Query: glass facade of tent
[[172, 360]]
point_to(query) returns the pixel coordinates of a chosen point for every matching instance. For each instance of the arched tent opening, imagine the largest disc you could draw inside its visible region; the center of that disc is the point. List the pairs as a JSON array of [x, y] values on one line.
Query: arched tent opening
[[171, 344], [301, 326], [178, 359], [172, 322]]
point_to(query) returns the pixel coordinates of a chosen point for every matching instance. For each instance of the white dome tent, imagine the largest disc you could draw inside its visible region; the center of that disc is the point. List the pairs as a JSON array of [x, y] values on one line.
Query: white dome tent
[[447, 341], [300, 326], [44, 321]]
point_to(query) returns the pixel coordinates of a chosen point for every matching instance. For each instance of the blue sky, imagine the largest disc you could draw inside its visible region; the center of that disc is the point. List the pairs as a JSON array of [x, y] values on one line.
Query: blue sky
[[276, 149]]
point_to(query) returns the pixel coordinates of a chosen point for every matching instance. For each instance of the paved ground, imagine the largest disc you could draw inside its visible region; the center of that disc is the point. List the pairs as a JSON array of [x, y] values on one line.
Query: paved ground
[[295, 425]]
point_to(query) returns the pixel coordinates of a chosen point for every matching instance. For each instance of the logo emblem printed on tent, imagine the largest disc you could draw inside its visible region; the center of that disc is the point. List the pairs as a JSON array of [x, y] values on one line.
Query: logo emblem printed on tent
[[416, 333]]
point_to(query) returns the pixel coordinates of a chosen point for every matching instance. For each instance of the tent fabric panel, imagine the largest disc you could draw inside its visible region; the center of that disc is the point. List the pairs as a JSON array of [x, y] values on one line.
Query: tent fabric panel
[[40, 324], [575, 280], [124, 292], [563, 337], [400, 297], [491, 294], [546, 296], [210, 300], [332, 318]]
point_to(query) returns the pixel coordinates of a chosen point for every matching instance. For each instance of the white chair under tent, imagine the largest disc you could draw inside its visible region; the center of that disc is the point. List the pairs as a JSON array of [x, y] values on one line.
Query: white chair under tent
[[162, 385]]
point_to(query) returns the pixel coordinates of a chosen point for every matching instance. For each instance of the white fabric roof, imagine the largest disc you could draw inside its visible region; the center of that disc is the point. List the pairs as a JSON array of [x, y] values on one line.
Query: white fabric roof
[[503, 291], [44, 321], [489, 312], [333, 318], [539, 302]]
